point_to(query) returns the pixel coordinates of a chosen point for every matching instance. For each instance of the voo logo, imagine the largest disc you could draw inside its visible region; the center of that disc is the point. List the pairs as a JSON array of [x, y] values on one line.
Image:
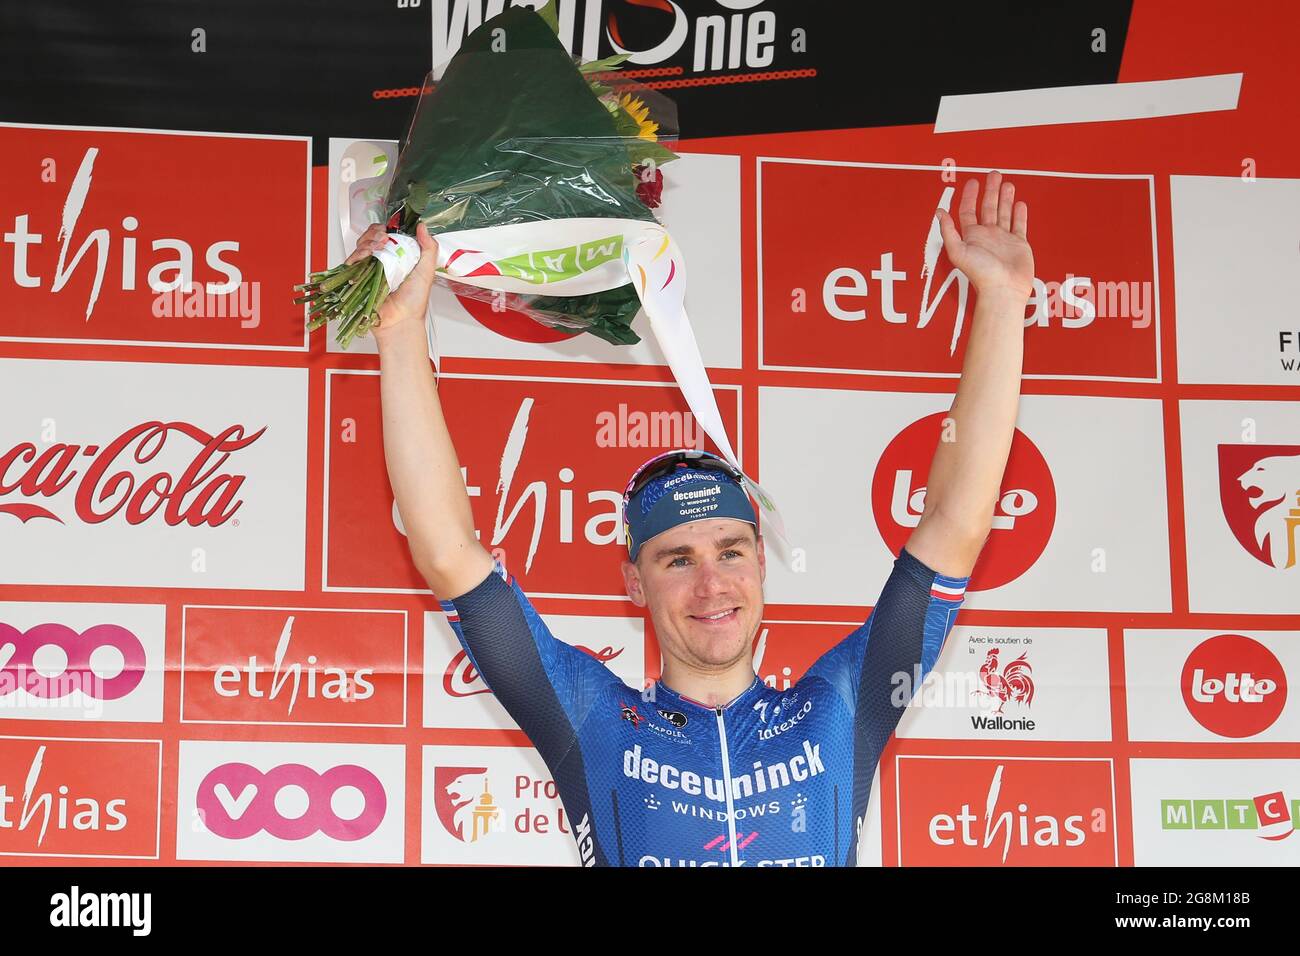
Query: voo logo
[[236, 801], [18, 669]]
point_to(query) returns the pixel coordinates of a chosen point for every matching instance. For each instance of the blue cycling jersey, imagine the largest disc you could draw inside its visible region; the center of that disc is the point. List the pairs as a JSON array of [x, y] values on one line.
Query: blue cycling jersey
[[653, 778]]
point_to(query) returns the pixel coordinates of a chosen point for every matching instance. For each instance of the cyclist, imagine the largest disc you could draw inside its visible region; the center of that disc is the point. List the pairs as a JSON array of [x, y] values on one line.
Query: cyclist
[[709, 765]]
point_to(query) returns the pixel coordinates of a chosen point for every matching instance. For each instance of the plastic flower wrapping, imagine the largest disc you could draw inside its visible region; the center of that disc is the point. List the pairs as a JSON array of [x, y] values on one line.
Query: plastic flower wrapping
[[537, 175]]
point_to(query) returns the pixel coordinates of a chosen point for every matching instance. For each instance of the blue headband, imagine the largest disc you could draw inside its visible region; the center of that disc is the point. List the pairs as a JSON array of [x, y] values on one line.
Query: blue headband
[[683, 495]]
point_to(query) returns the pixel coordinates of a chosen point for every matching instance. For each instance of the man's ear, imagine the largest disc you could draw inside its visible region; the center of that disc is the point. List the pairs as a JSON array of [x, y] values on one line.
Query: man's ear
[[632, 583], [762, 560]]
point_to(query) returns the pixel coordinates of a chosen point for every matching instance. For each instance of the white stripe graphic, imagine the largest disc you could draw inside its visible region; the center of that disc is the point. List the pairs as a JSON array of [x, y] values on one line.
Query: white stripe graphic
[[1098, 103], [946, 589]]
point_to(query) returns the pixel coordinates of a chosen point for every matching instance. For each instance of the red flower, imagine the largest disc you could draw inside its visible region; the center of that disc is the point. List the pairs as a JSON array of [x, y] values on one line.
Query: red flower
[[649, 189]]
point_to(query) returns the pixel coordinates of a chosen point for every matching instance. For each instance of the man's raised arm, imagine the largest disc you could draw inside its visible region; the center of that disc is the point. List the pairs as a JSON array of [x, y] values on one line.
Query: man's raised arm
[[967, 468], [422, 465]]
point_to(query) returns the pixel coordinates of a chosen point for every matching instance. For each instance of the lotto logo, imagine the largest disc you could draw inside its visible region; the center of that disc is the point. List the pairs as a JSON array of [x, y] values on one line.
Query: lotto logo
[[236, 801], [1233, 686]]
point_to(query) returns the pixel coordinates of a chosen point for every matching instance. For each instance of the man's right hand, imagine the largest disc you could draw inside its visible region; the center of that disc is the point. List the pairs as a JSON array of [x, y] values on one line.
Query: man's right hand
[[409, 300]]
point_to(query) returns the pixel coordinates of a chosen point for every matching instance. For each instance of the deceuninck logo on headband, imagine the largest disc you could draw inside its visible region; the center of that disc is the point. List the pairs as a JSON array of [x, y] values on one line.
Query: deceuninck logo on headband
[[699, 502], [676, 499]]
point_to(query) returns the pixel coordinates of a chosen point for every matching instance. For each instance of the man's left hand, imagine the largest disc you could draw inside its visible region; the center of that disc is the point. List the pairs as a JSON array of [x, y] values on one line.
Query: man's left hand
[[991, 249]]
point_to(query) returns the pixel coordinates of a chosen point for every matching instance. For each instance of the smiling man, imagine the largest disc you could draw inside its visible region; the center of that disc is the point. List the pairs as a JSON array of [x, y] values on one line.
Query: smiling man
[[709, 765]]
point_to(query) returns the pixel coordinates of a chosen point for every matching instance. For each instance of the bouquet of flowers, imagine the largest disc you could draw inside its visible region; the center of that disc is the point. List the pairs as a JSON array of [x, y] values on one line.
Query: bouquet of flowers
[[517, 132], [537, 176]]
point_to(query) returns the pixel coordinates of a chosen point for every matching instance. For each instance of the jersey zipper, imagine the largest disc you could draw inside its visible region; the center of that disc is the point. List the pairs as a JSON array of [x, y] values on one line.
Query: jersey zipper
[[726, 783]]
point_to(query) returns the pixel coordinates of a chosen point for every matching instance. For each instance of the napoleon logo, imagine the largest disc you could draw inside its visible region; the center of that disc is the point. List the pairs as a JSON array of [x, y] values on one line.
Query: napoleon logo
[[676, 718]]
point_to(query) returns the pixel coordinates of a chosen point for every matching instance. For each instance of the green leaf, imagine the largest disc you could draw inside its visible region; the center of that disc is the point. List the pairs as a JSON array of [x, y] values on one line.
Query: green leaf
[[643, 149], [624, 124], [417, 196], [548, 14], [600, 66]]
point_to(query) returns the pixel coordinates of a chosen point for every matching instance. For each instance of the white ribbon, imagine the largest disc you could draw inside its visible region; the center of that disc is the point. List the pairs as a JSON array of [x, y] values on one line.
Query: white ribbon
[[398, 255]]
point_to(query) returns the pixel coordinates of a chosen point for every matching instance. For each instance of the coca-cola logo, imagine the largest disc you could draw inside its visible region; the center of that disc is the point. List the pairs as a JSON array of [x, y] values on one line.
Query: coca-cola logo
[[236, 801], [461, 679], [1233, 686], [1024, 513], [201, 495], [18, 670]]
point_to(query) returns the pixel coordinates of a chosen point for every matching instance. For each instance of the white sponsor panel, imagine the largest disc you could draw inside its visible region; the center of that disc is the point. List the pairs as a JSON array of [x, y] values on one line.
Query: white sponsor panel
[[455, 695], [1235, 243], [157, 474], [1226, 812], [1169, 685], [1259, 497], [700, 207], [96, 662], [1107, 467], [492, 805], [1017, 683], [292, 802]]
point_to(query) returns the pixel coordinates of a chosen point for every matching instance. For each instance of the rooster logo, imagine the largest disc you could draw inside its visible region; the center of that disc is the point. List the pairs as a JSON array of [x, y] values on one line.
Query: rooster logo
[[1015, 683]]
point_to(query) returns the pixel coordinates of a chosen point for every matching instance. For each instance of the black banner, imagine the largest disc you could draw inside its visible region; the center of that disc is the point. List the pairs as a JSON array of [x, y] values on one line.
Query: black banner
[[350, 67]]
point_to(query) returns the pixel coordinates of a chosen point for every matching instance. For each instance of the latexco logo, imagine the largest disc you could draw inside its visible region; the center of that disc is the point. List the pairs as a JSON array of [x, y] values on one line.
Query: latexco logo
[[76, 908], [1233, 686], [236, 801], [1268, 816]]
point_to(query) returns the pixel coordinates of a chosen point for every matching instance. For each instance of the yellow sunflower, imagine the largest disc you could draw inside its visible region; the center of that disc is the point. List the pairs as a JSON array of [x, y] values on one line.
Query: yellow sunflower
[[641, 113]]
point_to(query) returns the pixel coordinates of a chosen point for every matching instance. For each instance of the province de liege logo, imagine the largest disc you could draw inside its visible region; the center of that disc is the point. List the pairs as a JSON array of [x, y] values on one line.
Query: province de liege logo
[[1259, 488]]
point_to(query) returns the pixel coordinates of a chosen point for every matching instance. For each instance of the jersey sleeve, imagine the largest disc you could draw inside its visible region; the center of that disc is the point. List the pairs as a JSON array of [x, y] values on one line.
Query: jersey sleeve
[[546, 685], [890, 654]]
